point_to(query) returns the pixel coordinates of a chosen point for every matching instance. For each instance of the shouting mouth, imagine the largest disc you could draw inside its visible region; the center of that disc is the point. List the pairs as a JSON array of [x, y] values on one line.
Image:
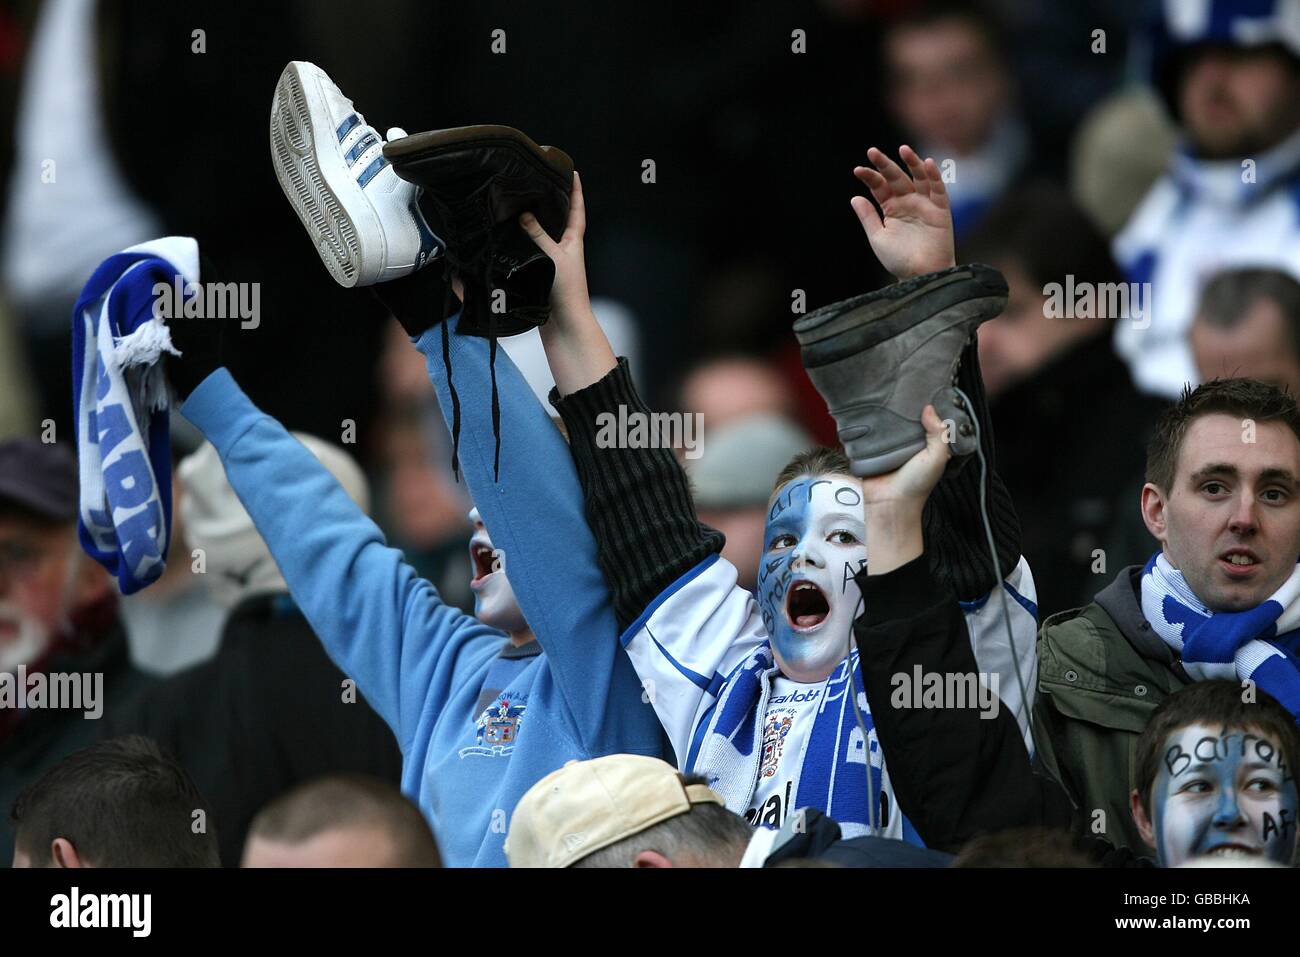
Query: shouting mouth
[[805, 606], [485, 561]]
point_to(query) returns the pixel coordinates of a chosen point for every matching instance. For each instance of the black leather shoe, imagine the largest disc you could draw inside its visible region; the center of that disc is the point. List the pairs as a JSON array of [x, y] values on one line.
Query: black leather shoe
[[475, 182]]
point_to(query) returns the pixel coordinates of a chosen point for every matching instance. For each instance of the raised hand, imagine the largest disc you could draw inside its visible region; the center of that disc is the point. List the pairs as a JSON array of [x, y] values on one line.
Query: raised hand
[[893, 503], [913, 481], [914, 236], [570, 300], [576, 348]]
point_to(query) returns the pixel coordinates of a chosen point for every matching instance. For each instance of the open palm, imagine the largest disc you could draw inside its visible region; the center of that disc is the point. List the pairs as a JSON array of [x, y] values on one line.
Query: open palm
[[914, 236]]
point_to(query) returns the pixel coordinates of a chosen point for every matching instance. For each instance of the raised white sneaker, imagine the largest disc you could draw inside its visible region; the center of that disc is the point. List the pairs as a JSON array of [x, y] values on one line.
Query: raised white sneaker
[[362, 216]]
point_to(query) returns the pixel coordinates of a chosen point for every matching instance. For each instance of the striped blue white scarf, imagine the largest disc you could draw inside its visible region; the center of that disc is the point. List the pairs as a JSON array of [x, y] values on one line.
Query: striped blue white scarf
[[120, 396], [1259, 644], [833, 777]]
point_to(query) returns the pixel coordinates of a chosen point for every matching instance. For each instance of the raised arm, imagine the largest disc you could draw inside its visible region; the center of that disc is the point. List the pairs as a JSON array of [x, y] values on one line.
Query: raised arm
[[382, 624], [959, 769], [684, 620], [533, 508], [638, 499]]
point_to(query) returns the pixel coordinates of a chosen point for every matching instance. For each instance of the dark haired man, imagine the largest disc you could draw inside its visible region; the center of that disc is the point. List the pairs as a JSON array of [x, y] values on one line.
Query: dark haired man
[[119, 803], [1221, 499], [951, 89]]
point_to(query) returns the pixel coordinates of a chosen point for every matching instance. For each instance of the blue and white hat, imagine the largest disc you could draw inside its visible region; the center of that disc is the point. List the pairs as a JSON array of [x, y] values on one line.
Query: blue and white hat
[[1184, 25]]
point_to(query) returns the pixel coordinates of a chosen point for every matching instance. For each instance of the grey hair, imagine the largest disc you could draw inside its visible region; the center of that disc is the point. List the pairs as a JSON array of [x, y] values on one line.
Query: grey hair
[[708, 835]]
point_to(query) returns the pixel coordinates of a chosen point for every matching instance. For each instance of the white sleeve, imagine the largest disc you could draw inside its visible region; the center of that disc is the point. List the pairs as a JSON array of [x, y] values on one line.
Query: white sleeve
[[987, 623], [688, 640]]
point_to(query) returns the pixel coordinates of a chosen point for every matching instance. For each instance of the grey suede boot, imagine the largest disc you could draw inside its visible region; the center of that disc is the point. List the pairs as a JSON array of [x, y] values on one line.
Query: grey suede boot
[[880, 358]]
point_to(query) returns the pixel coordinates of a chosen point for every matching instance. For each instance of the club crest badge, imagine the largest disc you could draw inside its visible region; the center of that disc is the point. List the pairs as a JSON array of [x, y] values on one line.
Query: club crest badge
[[496, 729], [775, 730]]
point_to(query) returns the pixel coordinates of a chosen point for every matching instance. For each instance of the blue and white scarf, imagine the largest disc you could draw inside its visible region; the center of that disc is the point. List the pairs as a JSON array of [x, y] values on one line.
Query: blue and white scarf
[[121, 399], [1259, 644], [833, 777]]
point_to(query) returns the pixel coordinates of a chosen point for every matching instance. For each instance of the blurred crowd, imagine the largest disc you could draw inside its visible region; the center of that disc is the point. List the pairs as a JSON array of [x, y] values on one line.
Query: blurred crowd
[[1133, 169]]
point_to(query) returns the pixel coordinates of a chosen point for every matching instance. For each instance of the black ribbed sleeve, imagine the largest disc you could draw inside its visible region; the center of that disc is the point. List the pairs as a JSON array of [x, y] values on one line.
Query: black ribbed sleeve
[[955, 542], [638, 500]]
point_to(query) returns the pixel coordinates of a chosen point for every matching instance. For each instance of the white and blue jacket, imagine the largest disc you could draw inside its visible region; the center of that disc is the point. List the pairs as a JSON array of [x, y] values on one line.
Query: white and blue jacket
[[1199, 218], [702, 653]]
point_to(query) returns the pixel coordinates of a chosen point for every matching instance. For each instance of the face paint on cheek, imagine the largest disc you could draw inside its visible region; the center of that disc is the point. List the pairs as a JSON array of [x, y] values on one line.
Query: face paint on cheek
[[804, 514], [1222, 792], [1278, 823]]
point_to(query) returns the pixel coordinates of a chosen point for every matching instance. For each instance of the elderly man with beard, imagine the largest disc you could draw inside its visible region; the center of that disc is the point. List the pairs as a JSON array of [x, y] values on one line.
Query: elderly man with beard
[[58, 617]]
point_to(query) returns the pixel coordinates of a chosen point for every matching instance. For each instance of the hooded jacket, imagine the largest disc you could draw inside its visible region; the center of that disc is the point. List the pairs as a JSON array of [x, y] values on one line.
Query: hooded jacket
[[1102, 670], [477, 724]]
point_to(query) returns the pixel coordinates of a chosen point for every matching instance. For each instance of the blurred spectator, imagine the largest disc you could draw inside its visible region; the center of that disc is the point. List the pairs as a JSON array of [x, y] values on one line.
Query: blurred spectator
[[270, 709], [1023, 847], [68, 203], [951, 88], [58, 616], [732, 485], [17, 405], [175, 622], [1068, 57], [341, 821], [1248, 325], [418, 503], [87, 66], [733, 387], [1070, 427], [118, 803], [1229, 71], [1120, 149]]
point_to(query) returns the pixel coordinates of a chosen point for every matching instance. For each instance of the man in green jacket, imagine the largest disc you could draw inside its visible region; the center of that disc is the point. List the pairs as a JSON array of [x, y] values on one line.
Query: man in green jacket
[[1221, 498]]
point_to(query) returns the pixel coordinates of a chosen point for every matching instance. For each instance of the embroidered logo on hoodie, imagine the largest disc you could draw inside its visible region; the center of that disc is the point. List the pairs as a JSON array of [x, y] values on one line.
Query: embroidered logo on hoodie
[[497, 728]]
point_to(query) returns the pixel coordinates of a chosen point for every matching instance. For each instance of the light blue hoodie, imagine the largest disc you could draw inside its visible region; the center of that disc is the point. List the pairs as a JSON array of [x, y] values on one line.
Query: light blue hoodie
[[422, 664]]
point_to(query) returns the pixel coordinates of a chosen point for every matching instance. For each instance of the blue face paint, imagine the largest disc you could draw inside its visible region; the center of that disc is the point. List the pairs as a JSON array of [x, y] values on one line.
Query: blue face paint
[[814, 543], [1225, 794]]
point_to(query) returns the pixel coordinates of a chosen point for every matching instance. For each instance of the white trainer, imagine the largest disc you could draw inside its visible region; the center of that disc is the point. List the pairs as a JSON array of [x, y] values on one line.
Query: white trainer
[[363, 218]]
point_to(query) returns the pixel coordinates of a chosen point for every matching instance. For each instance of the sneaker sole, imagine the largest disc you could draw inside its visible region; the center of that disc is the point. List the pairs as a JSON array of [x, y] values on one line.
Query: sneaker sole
[[314, 176], [827, 336]]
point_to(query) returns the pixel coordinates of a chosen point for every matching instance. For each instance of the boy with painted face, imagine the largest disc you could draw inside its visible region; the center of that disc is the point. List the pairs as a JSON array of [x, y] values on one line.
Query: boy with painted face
[[764, 697], [1216, 777], [814, 544]]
